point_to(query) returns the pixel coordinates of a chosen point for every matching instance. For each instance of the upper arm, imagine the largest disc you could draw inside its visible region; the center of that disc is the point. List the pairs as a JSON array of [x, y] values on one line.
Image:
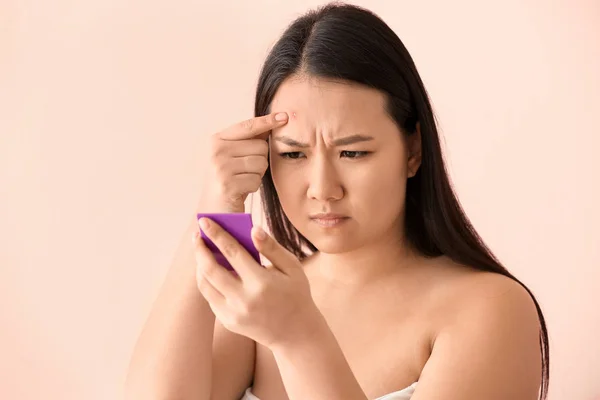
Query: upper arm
[[233, 364], [489, 350]]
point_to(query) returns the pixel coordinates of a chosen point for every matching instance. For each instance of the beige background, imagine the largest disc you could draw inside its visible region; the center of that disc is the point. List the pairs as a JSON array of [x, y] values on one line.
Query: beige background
[[103, 106]]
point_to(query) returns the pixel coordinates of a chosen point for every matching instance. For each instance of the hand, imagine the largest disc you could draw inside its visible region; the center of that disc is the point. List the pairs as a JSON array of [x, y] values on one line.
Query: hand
[[271, 305], [238, 159]]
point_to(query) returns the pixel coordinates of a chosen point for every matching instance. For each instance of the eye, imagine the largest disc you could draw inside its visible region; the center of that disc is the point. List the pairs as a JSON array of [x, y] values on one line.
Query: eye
[[292, 155], [354, 154]]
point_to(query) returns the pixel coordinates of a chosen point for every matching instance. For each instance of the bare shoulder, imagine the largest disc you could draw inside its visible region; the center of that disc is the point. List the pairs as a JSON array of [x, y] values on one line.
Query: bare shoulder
[[487, 337], [488, 295], [463, 295]]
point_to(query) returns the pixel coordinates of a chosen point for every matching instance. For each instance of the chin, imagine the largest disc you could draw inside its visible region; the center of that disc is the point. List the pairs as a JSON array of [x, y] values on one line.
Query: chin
[[332, 244]]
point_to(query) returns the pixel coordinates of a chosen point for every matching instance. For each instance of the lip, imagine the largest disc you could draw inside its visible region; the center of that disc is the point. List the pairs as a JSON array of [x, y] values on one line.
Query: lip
[[327, 216], [329, 220]]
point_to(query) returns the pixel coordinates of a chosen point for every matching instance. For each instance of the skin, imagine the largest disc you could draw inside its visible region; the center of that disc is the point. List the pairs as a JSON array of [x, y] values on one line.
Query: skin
[[367, 315]]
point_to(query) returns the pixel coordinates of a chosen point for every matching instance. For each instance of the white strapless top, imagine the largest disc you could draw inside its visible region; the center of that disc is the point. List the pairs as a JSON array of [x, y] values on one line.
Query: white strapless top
[[404, 394]]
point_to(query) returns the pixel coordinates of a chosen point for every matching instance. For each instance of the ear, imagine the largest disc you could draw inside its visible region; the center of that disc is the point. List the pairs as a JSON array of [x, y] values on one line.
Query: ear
[[414, 151]]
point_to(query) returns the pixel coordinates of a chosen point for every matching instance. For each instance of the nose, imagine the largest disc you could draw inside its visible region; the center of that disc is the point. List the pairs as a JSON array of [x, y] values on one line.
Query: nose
[[324, 181]]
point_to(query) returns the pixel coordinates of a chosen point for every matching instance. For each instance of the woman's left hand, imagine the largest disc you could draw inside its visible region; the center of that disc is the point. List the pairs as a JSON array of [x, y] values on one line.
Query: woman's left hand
[[271, 305]]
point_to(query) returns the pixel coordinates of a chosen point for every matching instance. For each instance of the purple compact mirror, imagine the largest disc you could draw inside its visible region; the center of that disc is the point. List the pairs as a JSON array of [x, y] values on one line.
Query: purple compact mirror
[[238, 225]]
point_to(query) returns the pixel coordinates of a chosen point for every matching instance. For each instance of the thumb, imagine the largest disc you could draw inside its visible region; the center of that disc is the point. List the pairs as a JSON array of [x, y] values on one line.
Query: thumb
[[278, 255]]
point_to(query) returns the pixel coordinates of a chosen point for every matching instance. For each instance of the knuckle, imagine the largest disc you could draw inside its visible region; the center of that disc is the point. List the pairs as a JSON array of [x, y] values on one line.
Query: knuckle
[[215, 142], [202, 284], [213, 273], [247, 164], [248, 124], [254, 163], [256, 181], [229, 322], [215, 233], [217, 154], [249, 186], [230, 250], [264, 147], [258, 292], [263, 164], [208, 272], [244, 310], [215, 159], [237, 319], [247, 308]]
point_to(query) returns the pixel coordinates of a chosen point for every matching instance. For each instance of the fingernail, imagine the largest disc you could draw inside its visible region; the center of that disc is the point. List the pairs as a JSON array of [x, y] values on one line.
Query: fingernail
[[204, 223], [260, 234], [281, 116]]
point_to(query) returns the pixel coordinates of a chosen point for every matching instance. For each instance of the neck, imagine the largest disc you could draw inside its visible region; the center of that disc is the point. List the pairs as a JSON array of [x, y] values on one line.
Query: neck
[[373, 261]]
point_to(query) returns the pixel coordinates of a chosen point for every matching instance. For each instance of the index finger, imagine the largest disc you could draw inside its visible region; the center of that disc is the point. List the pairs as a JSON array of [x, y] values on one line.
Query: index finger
[[255, 127]]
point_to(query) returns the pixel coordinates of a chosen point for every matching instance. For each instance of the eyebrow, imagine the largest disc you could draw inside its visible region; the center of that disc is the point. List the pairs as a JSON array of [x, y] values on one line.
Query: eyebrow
[[338, 142]]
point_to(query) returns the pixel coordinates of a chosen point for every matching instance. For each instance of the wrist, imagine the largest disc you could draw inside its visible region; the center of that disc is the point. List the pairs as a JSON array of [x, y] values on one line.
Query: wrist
[[210, 205], [310, 329]]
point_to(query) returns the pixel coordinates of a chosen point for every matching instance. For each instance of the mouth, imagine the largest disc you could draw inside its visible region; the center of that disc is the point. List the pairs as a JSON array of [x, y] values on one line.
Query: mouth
[[329, 220]]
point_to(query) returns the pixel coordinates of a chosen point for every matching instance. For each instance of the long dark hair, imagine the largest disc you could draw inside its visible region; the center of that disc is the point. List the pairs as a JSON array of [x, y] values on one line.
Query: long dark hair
[[349, 43]]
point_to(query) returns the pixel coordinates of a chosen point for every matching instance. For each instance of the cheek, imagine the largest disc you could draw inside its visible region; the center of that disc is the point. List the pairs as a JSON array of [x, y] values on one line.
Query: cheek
[[287, 180], [379, 187]]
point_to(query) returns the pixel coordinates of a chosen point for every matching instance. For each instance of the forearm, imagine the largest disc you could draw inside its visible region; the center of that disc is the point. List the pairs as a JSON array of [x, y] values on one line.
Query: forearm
[[173, 356], [315, 368]]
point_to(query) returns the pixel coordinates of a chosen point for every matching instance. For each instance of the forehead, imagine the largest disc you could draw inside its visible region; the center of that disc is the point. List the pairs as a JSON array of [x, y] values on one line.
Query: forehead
[[329, 106]]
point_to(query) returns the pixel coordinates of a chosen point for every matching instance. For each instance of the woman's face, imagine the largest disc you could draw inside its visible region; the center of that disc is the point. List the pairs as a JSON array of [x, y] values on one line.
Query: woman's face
[[340, 153]]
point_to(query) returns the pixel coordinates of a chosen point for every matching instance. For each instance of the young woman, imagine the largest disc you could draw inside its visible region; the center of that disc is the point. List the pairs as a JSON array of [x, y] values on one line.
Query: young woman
[[378, 286]]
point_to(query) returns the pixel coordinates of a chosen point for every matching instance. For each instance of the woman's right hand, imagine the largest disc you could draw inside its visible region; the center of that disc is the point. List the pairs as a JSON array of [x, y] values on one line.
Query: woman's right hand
[[238, 159]]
